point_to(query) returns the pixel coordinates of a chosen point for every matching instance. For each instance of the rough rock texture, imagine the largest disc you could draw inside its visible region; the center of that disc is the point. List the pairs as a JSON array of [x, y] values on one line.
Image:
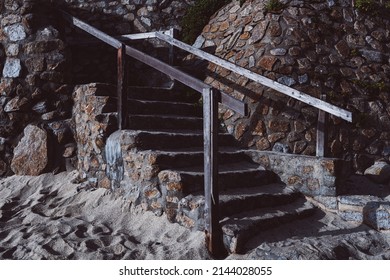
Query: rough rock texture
[[41, 58], [379, 172], [92, 125], [318, 47], [314, 177], [31, 154], [34, 70]]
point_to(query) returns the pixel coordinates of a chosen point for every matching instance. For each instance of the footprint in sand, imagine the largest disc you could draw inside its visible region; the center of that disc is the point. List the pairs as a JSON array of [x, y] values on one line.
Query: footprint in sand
[[81, 231], [102, 230], [9, 209]]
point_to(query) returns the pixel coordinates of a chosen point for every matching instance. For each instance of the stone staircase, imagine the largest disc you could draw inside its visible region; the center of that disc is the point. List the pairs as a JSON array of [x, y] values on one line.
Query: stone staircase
[[165, 127]]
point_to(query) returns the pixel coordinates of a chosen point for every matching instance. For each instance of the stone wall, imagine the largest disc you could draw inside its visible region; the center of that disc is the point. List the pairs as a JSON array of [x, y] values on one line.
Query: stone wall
[[33, 65], [318, 47], [41, 59]]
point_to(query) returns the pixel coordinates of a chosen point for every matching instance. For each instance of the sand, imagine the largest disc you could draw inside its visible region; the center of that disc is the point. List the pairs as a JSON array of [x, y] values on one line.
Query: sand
[[48, 217]]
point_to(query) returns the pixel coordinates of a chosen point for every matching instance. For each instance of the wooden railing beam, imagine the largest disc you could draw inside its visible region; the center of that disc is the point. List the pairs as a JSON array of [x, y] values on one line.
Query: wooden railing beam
[[122, 88], [210, 132]]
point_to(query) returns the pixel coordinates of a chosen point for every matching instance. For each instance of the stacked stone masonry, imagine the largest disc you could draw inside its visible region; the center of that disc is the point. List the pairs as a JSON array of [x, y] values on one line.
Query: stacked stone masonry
[[317, 47], [40, 64]]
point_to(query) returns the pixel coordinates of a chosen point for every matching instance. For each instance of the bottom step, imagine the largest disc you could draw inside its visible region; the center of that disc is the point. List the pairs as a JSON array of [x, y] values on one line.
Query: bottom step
[[238, 229]]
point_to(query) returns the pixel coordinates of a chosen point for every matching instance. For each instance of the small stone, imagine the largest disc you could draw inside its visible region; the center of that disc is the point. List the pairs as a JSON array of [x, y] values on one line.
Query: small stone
[[15, 32], [12, 50], [299, 147], [35, 64], [287, 81], [379, 172], [259, 128], [258, 32], [263, 144], [294, 51], [16, 104], [278, 51], [240, 130], [274, 29], [280, 148], [279, 125], [372, 56], [12, 68], [276, 136], [342, 48], [267, 62], [199, 42], [302, 79]]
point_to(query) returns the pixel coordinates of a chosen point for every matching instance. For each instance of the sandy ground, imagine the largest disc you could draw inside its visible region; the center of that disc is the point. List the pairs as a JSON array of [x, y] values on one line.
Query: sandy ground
[[48, 217]]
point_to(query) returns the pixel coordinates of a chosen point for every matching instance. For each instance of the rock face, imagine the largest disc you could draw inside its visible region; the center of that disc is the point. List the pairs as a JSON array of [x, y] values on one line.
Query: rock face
[[31, 154], [317, 48], [379, 172]]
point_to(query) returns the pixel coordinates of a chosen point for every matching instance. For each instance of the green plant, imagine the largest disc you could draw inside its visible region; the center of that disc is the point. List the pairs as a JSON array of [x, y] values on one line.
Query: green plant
[[273, 6], [367, 6], [198, 16]]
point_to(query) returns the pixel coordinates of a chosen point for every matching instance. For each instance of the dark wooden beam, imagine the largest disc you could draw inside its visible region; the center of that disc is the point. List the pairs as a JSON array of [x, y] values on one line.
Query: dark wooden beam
[[122, 88], [321, 132], [210, 130]]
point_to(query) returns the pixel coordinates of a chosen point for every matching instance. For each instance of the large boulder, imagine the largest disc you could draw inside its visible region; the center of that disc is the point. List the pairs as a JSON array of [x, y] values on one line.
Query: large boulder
[[31, 154]]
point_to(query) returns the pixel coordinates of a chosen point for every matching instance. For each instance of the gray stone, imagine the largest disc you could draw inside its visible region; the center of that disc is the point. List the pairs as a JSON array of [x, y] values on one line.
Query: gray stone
[[278, 51], [12, 50], [377, 215], [16, 104], [379, 172], [12, 68], [287, 81], [15, 32], [302, 79], [280, 148], [372, 56], [31, 153], [199, 42]]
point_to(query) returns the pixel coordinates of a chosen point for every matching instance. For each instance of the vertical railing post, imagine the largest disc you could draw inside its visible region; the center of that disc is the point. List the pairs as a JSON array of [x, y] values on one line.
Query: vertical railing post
[[122, 88], [321, 132], [210, 130], [172, 33]]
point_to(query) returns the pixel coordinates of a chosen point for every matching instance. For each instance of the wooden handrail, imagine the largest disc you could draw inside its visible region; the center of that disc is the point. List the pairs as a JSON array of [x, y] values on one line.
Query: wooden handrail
[[303, 97]]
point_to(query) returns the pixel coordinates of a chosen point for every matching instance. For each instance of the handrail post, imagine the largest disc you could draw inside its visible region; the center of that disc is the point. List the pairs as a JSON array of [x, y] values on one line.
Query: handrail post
[[210, 130], [122, 88], [173, 34], [321, 131]]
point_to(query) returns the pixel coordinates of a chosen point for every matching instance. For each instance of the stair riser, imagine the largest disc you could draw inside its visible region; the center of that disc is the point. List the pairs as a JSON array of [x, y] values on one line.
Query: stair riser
[[187, 160], [255, 202], [161, 142], [141, 108], [195, 183], [139, 123], [163, 95]]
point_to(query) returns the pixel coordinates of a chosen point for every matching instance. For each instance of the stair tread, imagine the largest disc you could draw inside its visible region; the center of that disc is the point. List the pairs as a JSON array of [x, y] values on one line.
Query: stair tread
[[243, 193], [179, 132], [162, 102], [238, 167], [164, 116], [244, 221]]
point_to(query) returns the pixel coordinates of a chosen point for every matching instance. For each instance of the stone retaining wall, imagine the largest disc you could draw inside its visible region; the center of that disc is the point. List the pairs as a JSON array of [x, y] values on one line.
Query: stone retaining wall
[[318, 47], [40, 64]]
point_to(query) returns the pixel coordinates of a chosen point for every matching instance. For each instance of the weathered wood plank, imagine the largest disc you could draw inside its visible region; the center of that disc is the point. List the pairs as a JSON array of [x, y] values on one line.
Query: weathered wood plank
[[321, 132], [312, 101], [122, 88], [138, 36], [234, 104], [210, 130], [93, 31]]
